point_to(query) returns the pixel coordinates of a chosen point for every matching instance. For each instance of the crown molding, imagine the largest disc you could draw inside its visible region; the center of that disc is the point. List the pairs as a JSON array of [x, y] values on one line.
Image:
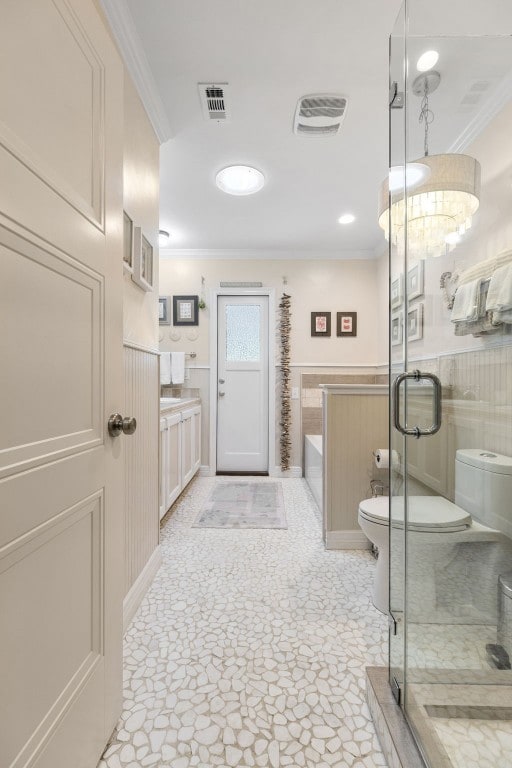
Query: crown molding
[[256, 254], [474, 128], [125, 33]]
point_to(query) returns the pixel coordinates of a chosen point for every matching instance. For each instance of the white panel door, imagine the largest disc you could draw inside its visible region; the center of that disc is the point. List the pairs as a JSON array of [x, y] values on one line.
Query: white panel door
[[242, 388], [61, 534]]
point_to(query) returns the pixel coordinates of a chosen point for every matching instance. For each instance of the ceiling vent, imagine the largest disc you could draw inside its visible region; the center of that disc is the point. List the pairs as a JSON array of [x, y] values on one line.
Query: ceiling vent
[[319, 115], [214, 101]]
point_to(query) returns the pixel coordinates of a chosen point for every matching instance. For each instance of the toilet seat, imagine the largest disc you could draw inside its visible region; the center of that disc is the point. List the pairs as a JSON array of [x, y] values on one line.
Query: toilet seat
[[426, 513]]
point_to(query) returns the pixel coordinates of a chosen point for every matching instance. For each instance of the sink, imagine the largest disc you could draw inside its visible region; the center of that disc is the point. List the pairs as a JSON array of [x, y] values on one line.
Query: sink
[[169, 401]]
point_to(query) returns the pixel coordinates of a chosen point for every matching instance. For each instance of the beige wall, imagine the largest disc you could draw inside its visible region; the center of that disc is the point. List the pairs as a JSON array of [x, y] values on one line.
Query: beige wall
[[141, 202], [323, 285]]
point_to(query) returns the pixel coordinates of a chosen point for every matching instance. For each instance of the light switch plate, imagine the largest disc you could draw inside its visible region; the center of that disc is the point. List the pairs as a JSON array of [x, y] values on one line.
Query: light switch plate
[[295, 393]]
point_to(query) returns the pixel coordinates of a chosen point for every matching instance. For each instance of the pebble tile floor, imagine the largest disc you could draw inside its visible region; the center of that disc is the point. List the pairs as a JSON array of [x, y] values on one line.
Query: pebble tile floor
[[250, 648]]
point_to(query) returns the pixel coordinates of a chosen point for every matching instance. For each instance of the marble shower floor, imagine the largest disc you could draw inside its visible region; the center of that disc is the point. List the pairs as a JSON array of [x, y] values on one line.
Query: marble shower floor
[[250, 648]]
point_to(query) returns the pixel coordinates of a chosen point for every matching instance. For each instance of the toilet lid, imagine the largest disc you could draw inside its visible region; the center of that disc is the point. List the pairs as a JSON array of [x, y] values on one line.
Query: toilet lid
[[426, 513]]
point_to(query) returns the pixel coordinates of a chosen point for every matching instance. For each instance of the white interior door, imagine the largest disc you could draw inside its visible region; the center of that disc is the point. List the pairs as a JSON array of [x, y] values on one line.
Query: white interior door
[[61, 556], [243, 384]]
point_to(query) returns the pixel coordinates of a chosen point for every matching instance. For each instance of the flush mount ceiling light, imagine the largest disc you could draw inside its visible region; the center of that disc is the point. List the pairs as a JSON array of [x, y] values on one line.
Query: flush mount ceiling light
[[240, 180], [427, 61], [163, 237], [412, 175], [440, 209], [347, 218]]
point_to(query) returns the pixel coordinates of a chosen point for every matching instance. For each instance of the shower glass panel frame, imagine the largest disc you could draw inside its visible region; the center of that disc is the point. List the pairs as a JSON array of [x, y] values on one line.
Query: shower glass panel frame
[[445, 600]]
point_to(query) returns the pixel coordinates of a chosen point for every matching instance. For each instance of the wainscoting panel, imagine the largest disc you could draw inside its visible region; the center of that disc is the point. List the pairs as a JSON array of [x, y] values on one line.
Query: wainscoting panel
[[141, 461]]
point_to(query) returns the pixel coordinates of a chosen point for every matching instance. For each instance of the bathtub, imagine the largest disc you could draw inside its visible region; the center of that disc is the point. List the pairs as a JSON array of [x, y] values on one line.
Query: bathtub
[[313, 467]]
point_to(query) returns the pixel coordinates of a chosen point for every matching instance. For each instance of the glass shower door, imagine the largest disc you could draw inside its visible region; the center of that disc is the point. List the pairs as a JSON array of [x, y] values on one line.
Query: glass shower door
[[450, 536]]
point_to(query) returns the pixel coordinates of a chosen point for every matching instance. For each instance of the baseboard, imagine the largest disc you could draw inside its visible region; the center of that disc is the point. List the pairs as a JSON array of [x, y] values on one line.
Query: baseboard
[[292, 472], [134, 597], [346, 540], [205, 471]]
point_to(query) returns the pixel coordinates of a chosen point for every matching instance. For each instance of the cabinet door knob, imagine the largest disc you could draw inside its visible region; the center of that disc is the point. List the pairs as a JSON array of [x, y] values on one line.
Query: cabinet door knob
[[222, 381], [118, 424], [221, 394]]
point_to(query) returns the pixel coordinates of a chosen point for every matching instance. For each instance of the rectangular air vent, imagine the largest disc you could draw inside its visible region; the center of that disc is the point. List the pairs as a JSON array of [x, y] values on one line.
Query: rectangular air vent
[[214, 101], [319, 114]]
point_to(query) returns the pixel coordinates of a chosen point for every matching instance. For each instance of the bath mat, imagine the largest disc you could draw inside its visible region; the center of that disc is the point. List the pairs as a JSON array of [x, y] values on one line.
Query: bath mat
[[243, 504]]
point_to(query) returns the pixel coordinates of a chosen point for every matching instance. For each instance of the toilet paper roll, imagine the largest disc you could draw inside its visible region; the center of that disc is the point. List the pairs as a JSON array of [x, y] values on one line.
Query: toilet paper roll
[[382, 456]]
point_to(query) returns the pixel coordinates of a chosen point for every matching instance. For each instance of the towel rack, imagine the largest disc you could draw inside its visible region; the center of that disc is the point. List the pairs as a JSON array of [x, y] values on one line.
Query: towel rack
[[191, 354], [484, 269]]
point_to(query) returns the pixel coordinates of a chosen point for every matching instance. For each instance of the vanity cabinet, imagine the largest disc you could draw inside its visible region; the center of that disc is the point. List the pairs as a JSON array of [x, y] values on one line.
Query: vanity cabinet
[[180, 453], [190, 443]]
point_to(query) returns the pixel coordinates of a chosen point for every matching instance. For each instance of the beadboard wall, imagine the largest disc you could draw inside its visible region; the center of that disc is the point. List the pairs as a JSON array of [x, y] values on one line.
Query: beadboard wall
[[141, 399]]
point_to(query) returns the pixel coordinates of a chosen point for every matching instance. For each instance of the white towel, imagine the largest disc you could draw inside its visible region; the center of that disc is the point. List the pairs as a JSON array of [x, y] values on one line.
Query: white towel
[[465, 306], [499, 295], [165, 368], [177, 367]]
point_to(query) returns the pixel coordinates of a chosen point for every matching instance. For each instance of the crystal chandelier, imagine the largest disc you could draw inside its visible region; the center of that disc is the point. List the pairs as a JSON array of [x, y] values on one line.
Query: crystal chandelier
[[436, 213]]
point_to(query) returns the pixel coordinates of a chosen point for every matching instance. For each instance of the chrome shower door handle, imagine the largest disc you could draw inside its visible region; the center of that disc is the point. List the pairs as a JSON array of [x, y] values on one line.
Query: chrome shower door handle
[[417, 431]]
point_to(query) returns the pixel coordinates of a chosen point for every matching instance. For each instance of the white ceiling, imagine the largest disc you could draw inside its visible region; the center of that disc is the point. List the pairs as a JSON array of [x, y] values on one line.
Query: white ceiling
[[271, 52]]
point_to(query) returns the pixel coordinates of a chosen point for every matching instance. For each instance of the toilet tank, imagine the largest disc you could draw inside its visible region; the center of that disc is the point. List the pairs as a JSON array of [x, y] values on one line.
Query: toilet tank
[[483, 487]]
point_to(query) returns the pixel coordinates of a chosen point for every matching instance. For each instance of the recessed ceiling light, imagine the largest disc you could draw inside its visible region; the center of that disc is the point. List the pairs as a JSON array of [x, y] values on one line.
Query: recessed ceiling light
[[347, 218], [163, 237], [416, 174], [427, 60], [240, 180]]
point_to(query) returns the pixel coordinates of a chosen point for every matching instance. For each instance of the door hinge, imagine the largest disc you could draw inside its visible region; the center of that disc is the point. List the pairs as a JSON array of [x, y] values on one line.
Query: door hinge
[[395, 690], [396, 97]]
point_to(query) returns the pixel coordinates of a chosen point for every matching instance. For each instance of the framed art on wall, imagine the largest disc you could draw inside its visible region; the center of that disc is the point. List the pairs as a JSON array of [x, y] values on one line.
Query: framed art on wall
[[346, 323], [397, 328], [164, 310], [415, 322], [415, 281], [185, 310], [397, 291], [142, 260], [320, 323], [127, 243]]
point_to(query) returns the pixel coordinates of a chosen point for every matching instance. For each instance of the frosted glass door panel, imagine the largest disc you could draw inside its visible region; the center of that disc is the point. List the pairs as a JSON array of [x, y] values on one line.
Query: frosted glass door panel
[[243, 332]]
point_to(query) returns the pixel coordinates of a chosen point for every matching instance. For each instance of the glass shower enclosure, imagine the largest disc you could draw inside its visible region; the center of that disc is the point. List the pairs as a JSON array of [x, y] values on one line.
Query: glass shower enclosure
[[447, 213]]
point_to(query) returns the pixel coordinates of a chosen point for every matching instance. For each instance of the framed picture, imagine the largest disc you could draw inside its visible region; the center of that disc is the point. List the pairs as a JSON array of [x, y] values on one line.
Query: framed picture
[[185, 310], [346, 324], [415, 322], [397, 328], [164, 310], [397, 291], [320, 323], [127, 243], [415, 281], [142, 260]]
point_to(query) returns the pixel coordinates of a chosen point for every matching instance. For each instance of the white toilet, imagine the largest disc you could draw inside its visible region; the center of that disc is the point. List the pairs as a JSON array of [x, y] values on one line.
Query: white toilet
[[482, 513]]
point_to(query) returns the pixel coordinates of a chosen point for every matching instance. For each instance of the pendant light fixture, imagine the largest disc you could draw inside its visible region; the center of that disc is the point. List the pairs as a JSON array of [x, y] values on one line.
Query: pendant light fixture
[[438, 211]]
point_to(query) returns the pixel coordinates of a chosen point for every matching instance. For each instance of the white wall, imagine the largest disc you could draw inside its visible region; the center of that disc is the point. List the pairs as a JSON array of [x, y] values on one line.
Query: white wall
[[141, 202]]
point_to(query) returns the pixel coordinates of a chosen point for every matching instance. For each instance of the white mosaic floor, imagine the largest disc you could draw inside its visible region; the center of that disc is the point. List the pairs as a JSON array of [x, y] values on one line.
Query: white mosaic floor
[[250, 648]]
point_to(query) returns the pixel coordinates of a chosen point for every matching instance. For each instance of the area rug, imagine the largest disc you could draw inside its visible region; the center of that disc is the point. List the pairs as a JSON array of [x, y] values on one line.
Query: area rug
[[243, 504]]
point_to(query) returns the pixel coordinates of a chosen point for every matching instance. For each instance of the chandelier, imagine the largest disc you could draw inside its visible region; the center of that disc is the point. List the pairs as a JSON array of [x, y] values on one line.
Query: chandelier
[[437, 210]]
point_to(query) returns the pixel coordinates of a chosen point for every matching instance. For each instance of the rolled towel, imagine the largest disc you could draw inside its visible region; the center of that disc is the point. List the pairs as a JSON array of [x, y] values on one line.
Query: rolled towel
[[177, 367], [465, 306], [165, 368], [499, 295]]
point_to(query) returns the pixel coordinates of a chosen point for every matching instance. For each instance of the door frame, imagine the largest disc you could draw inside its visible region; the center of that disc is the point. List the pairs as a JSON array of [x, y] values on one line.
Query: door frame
[[214, 295]]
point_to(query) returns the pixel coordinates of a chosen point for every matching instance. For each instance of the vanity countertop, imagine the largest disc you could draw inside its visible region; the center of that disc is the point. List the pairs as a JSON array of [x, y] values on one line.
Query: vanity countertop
[[169, 404]]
